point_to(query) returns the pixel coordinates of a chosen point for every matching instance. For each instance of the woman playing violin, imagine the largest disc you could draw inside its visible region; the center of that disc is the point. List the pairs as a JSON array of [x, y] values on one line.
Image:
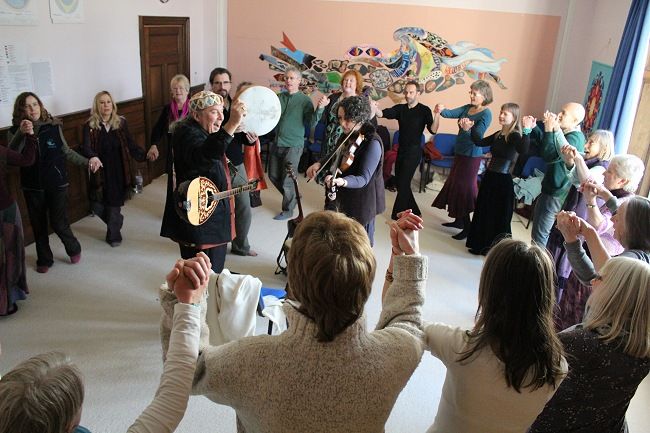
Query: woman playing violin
[[357, 171]]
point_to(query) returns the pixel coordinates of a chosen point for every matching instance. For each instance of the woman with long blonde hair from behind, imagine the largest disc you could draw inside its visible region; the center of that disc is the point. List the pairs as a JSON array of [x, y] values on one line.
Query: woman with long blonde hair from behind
[[608, 354]]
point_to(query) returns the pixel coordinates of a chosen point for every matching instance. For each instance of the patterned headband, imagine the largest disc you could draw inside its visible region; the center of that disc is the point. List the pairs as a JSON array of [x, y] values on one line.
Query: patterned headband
[[205, 99]]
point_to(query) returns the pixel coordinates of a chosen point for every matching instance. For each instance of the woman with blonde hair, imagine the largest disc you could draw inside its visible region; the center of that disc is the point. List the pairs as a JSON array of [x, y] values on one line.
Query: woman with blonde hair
[[609, 354], [501, 373], [591, 166], [177, 109], [496, 194], [106, 138]]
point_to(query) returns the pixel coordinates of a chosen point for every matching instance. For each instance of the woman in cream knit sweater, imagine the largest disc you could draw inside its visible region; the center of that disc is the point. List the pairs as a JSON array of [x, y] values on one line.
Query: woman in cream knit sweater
[[327, 372]]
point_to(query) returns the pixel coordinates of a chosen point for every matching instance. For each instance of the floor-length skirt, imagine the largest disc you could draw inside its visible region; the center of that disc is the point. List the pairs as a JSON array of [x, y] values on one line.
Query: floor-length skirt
[[13, 284], [459, 192], [493, 213]]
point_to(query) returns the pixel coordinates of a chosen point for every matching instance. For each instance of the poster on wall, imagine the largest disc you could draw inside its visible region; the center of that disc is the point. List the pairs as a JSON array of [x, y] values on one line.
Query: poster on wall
[[597, 87], [18, 74], [66, 11], [18, 13]]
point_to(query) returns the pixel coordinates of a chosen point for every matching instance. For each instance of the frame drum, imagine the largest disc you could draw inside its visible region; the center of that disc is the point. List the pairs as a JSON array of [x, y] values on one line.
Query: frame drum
[[262, 109]]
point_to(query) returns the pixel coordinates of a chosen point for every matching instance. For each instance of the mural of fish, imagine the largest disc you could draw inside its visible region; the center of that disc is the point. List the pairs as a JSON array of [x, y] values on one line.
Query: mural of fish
[[422, 56]]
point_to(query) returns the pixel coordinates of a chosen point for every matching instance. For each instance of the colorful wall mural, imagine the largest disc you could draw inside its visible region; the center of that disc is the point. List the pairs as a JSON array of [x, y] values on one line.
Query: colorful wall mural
[[422, 56]]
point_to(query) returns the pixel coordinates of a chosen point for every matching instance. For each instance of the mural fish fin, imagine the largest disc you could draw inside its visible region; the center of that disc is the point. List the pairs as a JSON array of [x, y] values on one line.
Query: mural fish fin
[[287, 42]]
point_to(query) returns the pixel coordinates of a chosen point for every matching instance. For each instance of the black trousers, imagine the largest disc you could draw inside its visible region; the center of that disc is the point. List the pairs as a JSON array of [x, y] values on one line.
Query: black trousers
[[407, 162], [44, 205], [112, 217], [217, 255]]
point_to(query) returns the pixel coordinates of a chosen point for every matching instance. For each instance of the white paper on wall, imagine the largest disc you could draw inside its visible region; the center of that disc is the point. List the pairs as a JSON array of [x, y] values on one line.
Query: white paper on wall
[[18, 13], [66, 11]]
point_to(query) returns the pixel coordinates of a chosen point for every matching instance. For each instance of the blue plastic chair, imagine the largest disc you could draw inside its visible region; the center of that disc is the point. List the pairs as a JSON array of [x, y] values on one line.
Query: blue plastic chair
[[266, 291], [445, 145]]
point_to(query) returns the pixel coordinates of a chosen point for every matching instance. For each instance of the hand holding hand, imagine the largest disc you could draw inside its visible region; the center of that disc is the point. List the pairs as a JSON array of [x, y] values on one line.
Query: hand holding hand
[[94, 164], [189, 278], [601, 190], [438, 108], [404, 233], [569, 154], [569, 225], [153, 154], [465, 124], [589, 192], [311, 171], [27, 127], [528, 122]]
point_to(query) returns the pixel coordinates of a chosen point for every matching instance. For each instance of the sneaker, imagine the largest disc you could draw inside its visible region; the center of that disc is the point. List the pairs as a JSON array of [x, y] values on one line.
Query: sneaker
[[284, 215], [42, 269], [115, 244], [75, 259]]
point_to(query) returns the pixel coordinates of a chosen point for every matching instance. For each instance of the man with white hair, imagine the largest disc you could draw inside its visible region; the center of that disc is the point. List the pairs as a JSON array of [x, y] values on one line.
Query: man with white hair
[[297, 110], [199, 144]]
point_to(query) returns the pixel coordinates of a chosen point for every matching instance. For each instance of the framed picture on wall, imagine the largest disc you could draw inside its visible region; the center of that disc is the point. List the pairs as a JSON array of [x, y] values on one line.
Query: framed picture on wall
[[597, 87]]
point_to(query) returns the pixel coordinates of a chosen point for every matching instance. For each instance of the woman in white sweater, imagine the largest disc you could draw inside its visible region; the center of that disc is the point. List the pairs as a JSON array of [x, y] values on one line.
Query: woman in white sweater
[[502, 371], [327, 372]]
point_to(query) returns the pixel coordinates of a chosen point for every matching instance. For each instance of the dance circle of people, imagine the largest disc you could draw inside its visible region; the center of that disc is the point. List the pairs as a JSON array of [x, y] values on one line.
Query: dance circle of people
[[560, 339]]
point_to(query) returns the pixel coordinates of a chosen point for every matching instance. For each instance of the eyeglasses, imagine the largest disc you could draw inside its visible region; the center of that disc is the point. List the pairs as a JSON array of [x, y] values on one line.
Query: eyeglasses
[[220, 82]]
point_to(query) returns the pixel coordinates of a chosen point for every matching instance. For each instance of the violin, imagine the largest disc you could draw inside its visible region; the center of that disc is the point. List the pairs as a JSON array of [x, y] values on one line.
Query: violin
[[348, 157]]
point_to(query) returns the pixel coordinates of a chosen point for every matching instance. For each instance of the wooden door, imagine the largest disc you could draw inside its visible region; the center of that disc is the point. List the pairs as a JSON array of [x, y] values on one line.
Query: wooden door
[[164, 52]]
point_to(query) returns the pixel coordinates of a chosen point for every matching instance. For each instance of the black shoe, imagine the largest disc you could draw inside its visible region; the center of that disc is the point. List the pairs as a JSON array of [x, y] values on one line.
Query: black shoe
[[457, 224], [462, 235], [475, 252]]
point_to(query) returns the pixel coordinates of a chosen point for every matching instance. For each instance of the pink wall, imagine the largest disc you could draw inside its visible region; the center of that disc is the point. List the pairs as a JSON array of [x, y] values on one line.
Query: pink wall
[[328, 29]]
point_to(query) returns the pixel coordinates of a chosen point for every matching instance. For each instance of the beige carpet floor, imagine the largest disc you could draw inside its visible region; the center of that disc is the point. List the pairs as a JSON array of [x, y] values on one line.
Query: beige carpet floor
[[104, 312]]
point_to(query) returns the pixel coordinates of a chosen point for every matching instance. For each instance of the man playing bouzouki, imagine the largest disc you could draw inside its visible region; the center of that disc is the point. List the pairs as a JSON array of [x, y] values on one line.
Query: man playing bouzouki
[[199, 144]]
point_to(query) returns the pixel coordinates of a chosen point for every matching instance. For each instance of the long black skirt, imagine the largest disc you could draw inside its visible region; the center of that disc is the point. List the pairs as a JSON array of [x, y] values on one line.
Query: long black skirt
[[493, 213]]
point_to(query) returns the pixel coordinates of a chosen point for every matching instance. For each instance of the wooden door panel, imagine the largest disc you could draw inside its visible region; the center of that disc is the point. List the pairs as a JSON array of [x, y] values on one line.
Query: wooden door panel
[[164, 45]]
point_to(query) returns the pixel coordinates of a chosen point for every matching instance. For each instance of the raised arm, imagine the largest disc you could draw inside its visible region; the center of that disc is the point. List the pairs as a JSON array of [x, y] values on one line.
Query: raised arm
[[403, 291], [187, 283], [27, 155]]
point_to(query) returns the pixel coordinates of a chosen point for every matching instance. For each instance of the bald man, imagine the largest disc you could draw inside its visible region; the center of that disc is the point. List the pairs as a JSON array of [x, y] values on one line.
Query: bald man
[[559, 129]]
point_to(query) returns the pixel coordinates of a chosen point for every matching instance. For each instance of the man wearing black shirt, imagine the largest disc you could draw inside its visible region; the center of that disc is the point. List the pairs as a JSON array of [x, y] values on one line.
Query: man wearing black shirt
[[412, 117]]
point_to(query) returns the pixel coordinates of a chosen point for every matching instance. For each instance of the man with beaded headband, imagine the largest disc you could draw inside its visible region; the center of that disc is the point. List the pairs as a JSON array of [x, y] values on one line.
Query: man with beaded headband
[[199, 144]]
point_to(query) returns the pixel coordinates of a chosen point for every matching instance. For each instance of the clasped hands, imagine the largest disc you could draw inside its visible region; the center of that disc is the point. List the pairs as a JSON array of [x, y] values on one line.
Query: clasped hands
[[189, 278], [404, 233]]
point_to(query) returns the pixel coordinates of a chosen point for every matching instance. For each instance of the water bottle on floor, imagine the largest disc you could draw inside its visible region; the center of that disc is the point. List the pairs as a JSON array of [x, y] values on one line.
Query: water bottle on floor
[[138, 183]]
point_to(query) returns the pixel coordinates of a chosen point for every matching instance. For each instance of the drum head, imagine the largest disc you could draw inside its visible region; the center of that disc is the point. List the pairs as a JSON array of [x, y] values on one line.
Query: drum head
[[262, 109]]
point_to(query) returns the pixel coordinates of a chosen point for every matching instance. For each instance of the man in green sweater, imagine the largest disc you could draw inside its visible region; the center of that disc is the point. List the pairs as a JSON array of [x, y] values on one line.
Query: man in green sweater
[[297, 109], [560, 129]]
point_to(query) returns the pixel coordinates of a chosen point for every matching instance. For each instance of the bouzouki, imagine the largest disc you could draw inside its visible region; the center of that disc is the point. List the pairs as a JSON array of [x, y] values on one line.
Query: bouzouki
[[197, 199]]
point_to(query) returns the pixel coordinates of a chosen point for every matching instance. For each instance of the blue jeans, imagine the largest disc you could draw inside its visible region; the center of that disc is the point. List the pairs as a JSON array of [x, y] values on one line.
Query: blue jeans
[[546, 208], [280, 156]]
